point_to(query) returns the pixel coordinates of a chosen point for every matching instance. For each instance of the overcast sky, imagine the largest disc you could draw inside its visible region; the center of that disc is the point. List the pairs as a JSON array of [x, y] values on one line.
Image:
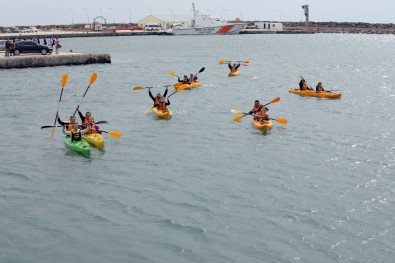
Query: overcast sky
[[40, 12]]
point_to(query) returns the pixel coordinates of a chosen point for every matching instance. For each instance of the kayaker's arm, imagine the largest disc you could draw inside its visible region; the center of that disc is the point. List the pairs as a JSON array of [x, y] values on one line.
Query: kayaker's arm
[[60, 122], [66, 132], [85, 130], [230, 66], [238, 65], [167, 102], [164, 94], [150, 94], [81, 116]]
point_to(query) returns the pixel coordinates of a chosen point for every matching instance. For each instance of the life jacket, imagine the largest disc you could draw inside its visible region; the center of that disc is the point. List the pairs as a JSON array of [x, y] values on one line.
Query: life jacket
[[256, 108], [68, 126], [76, 136], [92, 130], [319, 89], [86, 122], [156, 101], [162, 106], [304, 87], [263, 116]]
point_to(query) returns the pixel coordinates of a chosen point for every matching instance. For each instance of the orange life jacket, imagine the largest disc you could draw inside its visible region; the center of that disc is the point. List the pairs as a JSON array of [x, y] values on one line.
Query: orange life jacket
[[162, 106], [257, 107], [92, 130], [263, 116], [304, 86]]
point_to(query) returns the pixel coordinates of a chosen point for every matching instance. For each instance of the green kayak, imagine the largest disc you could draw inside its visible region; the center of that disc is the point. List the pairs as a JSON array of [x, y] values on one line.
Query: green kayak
[[82, 147]]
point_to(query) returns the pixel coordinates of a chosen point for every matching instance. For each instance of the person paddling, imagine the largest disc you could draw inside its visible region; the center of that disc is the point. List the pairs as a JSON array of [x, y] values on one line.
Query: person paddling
[[262, 115], [257, 106], [67, 124], [158, 96], [185, 80], [233, 68], [94, 128], [319, 87], [162, 105], [303, 85], [193, 78], [76, 133], [84, 119]]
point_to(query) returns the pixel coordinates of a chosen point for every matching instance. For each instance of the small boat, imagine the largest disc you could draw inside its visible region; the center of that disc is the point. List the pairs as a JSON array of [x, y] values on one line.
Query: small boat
[[235, 73], [264, 126], [167, 115], [81, 147], [183, 86], [312, 93], [202, 24], [95, 139]]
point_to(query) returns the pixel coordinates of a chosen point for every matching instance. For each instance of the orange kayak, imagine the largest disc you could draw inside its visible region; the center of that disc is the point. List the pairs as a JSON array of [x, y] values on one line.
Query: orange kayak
[[312, 93], [264, 126]]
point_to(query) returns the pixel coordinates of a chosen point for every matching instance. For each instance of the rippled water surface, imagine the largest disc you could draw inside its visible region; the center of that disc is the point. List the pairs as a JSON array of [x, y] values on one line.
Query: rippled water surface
[[201, 188]]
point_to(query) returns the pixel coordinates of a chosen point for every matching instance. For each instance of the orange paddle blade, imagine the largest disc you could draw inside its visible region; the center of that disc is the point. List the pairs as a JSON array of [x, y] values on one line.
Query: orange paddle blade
[[65, 77], [115, 134], [138, 88], [275, 100], [281, 120], [53, 132], [222, 62], [246, 61], [238, 118], [93, 78]]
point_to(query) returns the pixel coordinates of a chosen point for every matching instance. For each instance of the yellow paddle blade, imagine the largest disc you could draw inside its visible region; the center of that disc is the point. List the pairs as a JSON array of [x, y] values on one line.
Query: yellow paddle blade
[[138, 88], [281, 120], [53, 132], [222, 62], [115, 134], [238, 118], [93, 78], [65, 77], [236, 111], [171, 73], [147, 110], [275, 100]]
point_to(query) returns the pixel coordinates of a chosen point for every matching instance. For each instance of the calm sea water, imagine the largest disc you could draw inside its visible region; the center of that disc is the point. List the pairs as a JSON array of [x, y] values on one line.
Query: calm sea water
[[201, 188]]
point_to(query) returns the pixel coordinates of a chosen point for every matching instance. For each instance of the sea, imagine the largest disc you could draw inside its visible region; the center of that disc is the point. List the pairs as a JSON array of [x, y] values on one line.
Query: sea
[[201, 187]]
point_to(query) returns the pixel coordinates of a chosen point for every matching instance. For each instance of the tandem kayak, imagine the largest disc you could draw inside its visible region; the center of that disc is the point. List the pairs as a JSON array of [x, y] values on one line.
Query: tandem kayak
[[82, 147], [95, 139], [182, 86], [312, 93], [167, 115], [264, 126], [232, 74]]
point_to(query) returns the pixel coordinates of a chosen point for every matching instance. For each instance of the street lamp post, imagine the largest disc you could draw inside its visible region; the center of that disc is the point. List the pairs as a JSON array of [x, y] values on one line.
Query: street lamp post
[[130, 16], [241, 15]]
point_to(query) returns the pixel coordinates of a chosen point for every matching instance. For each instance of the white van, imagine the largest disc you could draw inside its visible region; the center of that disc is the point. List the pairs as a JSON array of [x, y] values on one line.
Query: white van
[[152, 27]]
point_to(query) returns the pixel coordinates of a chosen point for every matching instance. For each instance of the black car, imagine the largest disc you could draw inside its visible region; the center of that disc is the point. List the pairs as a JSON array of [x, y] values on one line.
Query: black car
[[29, 46]]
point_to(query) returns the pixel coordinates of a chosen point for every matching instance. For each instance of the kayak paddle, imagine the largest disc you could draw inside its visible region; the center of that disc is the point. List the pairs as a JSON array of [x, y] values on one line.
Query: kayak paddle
[[91, 81], [63, 82]]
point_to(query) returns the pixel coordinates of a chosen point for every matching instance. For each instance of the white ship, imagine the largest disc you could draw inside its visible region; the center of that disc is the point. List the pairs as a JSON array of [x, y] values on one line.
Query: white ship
[[204, 25]]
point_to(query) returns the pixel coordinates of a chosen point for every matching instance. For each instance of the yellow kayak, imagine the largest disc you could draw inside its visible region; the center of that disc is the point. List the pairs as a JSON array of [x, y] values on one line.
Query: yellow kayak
[[312, 93], [178, 85], [167, 115], [95, 139], [232, 74], [264, 126]]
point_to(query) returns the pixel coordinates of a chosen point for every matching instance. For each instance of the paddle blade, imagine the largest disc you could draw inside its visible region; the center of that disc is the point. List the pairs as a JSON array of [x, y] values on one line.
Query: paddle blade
[[93, 78], [236, 111], [275, 100], [245, 64], [246, 61], [173, 74], [201, 70], [238, 118], [281, 121], [115, 134], [65, 77], [221, 62], [138, 88], [53, 132], [147, 111]]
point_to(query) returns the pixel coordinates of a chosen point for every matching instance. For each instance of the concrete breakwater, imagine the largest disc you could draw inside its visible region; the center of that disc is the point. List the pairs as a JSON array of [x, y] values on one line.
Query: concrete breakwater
[[61, 59]]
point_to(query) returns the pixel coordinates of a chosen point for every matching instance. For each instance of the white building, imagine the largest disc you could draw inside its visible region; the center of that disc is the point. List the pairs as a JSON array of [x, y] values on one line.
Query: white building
[[269, 26]]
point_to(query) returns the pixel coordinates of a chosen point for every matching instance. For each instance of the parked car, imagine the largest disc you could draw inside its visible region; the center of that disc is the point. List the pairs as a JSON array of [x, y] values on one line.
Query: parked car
[[29, 46], [2, 45], [32, 29]]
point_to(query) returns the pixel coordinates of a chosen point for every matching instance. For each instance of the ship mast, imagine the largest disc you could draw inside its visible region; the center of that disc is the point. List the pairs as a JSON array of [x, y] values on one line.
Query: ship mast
[[194, 15]]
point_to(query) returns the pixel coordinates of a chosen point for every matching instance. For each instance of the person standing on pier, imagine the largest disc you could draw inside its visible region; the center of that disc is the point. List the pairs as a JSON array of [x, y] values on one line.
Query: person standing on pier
[[57, 46]]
